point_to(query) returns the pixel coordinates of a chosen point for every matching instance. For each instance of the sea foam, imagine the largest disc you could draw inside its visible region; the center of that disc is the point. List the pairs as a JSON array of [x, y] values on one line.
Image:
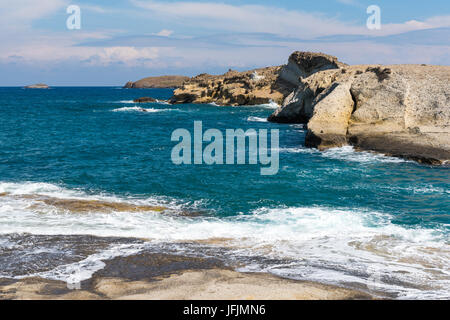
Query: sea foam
[[316, 243], [138, 109]]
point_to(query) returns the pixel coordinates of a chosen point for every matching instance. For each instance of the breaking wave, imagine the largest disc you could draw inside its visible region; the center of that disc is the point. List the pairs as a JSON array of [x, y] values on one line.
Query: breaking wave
[[345, 246], [256, 119], [139, 109]]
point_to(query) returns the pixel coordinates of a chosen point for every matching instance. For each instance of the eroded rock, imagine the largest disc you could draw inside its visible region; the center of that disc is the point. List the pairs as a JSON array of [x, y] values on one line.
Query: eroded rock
[[401, 110], [235, 88]]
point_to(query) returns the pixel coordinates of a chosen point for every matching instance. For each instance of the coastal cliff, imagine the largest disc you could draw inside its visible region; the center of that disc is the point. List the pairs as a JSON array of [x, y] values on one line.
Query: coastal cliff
[[157, 82], [234, 88], [399, 110], [258, 86]]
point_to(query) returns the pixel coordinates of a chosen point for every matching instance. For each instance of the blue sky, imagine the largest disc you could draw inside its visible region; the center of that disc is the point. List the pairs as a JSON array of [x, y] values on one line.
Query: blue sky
[[129, 39]]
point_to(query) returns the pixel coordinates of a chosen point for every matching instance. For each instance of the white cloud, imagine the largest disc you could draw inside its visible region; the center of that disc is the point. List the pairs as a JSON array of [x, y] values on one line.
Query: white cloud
[[21, 13], [259, 18], [129, 56], [164, 33], [249, 18], [94, 56], [96, 9], [412, 25], [349, 2], [28, 46]]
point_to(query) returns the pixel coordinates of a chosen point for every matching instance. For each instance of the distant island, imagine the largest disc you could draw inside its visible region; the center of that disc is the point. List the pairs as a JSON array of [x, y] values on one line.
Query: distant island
[[37, 86], [157, 82]]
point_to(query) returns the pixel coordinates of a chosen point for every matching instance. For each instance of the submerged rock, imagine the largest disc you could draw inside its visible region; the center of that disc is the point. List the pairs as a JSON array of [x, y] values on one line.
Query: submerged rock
[[43, 203], [157, 82], [88, 206]]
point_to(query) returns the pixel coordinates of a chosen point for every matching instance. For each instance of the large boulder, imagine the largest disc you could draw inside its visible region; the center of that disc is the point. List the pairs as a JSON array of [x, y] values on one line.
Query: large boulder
[[297, 107], [303, 64], [332, 112]]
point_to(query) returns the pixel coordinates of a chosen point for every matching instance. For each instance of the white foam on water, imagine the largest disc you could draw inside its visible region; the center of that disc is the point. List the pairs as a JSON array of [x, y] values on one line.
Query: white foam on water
[[317, 243], [139, 109], [162, 102], [256, 119], [424, 189], [298, 150], [270, 105], [133, 102], [74, 273], [348, 153]]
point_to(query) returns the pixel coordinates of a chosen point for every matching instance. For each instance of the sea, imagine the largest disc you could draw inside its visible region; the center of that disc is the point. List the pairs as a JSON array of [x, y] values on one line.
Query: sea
[[354, 219]]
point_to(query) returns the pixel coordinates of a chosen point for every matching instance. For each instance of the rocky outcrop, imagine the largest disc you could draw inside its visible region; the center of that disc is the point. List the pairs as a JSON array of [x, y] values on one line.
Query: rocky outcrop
[[145, 100], [234, 88], [303, 64], [297, 107], [38, 86], [157, 82], [401, 110], [257, 86]]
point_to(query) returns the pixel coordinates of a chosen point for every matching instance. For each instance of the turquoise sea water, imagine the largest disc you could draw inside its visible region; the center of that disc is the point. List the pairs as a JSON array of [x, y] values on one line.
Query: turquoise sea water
[[340, 216]]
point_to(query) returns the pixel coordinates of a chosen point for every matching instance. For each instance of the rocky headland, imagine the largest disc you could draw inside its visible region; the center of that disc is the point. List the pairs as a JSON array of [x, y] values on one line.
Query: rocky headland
[[398, 110], [235, 88], [157, 82]]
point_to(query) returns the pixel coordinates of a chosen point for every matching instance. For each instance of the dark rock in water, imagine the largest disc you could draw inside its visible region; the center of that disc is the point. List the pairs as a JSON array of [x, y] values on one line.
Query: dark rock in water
[[157, 82], [151, 265], [37, 86], [145, 100]]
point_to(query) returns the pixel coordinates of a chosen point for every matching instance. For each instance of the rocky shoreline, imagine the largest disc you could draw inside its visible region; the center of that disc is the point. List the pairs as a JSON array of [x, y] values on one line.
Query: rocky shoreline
[[234, 88], [398, 110], [155, 276]]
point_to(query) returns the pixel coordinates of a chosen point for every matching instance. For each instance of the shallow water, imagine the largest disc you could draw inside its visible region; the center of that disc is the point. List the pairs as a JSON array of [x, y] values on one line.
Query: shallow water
[[342, 217]]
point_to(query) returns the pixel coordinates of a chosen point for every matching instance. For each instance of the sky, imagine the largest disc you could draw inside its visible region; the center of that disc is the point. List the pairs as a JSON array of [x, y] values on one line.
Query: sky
[[125, 40]]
